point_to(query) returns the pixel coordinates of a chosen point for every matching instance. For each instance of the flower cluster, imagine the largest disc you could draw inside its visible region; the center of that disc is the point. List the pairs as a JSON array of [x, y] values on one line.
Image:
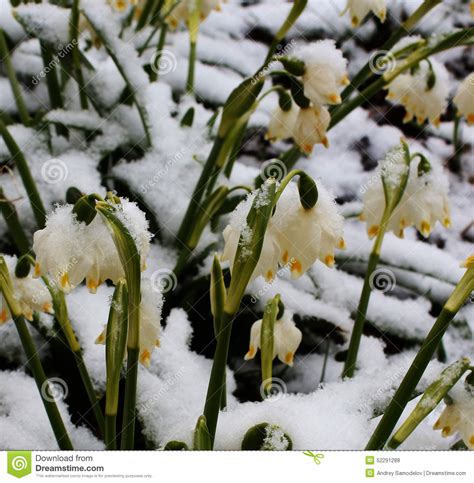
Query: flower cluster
[[296, 237], [180, 11], [31, 294], [423, 203], [423, 91], [323, 78], [286, 339], [358, 10], [464, 99], [70, 251]]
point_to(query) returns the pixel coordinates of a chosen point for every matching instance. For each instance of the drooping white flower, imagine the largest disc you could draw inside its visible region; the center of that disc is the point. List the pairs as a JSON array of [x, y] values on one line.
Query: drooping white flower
[[69, 251], [267, 264], [310, 128], [358, 10], [282, 123], [413, 91], [286, 339], [307, 235], [424, 201], [325, 72], [180, 12], [464, 99], [31, 294], [458, 417], [150, 322]]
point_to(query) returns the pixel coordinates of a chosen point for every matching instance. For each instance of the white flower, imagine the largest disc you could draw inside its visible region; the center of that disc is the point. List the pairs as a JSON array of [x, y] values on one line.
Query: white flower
[[464, 98], [310, 128], [282, 123], [69, 251], [358, 10], [325, 72], [31, 294], [458, 417], [306, 235], [413, 92], [424, 201], [150, 322], [180, 12], [267, 264], [286, 339]]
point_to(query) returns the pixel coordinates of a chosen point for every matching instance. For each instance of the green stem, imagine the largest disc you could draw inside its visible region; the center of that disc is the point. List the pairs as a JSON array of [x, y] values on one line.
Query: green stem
[[25, 173], [129, 413], [405, 29], [15, 229], [110, 431], [421, 361], [41, 380], [191, 67], [76, 55], [357, 331], [217, 378], [454, 162], [6, 60], [54, 89], [159, 50], [147, 9]]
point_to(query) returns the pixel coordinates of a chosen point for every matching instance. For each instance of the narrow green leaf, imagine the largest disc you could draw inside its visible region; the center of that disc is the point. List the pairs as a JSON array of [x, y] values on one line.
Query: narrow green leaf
[[202, 438]]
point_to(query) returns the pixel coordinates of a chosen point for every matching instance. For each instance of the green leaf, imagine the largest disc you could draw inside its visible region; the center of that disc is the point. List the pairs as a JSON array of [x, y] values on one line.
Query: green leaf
[[267, 342], [260, 436], [175, 446], [217, 294], [202, 438]]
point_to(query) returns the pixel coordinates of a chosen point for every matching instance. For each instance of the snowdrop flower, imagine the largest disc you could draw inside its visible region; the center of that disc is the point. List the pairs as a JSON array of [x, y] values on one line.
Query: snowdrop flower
[[325, 72], [282, 123], [70, 251], [310, 128], [424, 201], [150, 317], [180, 12], [458, 417], [358, 10], [267, 265], [286, 339], [464, 99], [31, 294], [307, 235], [413, 91]]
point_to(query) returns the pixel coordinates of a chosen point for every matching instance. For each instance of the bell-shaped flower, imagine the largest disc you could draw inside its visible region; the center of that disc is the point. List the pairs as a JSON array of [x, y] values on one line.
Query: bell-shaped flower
[[310, 128], [423, 92], [423, 203], [180, 11], [286, 339], [307, 235], [267, 264], [464, 99], [282, 123], [150, 321], [325, 72], [70, 251], [458, 417], [31, 294], [358, 10]]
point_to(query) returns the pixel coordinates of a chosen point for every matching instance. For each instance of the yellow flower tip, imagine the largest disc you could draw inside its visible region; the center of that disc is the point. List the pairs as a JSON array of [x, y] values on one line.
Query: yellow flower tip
[[145, 358], [373, 231], [250, 354], [335, 98], [447, 222], [285, 257], [403, 223], [218, 8], [437, 425], [408, 117], [471, 440], [92, 285], [325, 142], [382, 15], [120, 5], [307, 148], [468, 262], [296, 267], [400, 233], [28, 314], [355, 21], [268, 136], [202, 17], [157, 343], [446, 431], [269, 276], [47, 307], [436, 122], [425, 228], [470, 117], [64, 281], [101, 338], [341, 244], [345, 80], [329, 260], [37, 270], [3, 316], [289, 358]]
